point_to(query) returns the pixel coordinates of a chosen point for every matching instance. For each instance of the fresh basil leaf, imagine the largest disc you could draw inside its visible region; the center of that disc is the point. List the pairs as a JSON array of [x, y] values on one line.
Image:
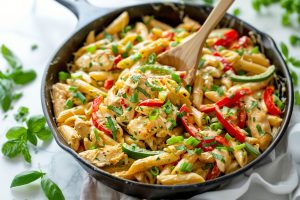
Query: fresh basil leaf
[[31, 137], [294, 77], [25, 178], [36, 123], [297, 98], [44, 134], [25, 152], [21, 77], [9, 56], [51, 190], [6, 97], [16, 132], [294, 62], [284, 50], [11, 148], [22, 114]]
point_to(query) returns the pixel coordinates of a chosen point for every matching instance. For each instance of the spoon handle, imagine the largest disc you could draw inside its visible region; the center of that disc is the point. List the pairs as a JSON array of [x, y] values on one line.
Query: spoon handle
[[213, 19]]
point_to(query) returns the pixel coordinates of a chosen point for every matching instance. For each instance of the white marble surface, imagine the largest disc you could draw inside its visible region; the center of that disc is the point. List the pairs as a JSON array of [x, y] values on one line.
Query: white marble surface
[[47, 24]]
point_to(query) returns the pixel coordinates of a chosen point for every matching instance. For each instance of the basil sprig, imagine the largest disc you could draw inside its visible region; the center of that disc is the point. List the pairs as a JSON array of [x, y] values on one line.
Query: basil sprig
[[19, 136], [50, 189], [14, 76]]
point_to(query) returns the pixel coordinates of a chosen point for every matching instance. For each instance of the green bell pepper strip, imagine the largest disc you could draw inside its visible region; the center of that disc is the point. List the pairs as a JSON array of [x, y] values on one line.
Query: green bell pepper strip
[[256, 78], [136, 152]]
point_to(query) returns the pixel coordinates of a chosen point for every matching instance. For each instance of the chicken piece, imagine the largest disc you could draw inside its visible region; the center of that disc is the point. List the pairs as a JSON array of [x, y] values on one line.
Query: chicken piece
[[70, 135], [60, 94], [82, 127], [223, 159], [108, 155], [143, 128], [258, 124], [101, 60]]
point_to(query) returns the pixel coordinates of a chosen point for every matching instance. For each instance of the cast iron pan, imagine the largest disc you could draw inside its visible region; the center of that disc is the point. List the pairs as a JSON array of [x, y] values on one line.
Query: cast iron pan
[[92, 18]]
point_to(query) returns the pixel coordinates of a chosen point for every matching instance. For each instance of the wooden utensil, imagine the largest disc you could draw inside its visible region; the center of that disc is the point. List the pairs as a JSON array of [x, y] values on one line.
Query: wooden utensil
[[185, 57]]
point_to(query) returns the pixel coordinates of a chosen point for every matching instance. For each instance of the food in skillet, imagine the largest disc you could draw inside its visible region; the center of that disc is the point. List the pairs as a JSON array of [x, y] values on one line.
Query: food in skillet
[[134, 118]]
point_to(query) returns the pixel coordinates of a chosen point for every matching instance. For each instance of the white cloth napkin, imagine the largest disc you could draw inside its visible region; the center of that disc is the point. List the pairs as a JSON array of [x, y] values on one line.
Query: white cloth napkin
[[277, 179]]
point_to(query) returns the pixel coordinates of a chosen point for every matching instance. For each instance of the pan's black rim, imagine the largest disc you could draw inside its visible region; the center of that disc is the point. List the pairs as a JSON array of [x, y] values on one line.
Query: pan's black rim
[[282, 130]]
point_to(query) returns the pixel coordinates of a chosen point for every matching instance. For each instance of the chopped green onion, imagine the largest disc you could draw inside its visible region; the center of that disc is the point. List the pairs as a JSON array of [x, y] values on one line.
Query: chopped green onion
[[73, 89], [174, 44], [68, 104], [151, 58], [201, 63], [173, 123], [96, 134], [180, 148], [128, 46], [255, 50], [153, 87], [112, 127], [228, 137], [191, 141], [154, 114], [251, 149], [116, 110], [144, 92], [186, 167], [135, 78], [189, 88], [216, 125], [168, 107], [114, 48], [259, 129], [80, 96], [134, 98], [139, 38], [91, 49], [198, 151], [62, 76], [239, 147], [154, 171], [174, 140], [176, 78], [217, 156]]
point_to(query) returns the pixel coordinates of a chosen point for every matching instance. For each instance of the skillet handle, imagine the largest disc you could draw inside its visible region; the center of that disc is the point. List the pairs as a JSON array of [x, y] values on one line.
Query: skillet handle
[[84, 11]]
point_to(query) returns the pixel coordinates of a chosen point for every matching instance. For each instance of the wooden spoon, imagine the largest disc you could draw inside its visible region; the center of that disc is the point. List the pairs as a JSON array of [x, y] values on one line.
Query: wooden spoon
[[185, 57]]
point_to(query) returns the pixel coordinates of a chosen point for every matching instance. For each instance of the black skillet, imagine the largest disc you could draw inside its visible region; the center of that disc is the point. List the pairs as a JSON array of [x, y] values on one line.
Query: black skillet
[[92, 18]]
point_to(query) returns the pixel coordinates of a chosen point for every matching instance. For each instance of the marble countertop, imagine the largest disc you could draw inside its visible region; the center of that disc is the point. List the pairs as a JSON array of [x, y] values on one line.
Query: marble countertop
[[48, 24]]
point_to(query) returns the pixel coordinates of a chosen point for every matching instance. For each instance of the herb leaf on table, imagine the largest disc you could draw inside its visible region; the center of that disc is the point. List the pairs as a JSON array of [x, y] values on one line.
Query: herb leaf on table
[[19, 136], [50, 189], [15, 75]]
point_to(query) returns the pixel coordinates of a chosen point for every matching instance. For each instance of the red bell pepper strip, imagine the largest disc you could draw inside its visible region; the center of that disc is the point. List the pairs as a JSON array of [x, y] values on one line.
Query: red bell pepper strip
[[122, 102], [244, 41], [169, 35], [95, 119], [268, 99], [229, 37], [189, 127], [214, 173], [242, 116], [152, 103], [207, 144], [117, 59], [232, 99], [226, 101], [226, 64], [108, 83], [221, 140], [233, 130]]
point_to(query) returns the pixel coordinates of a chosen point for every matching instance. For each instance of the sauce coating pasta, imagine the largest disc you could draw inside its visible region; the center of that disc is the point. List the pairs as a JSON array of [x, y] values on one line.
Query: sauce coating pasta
[[136, 119]]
